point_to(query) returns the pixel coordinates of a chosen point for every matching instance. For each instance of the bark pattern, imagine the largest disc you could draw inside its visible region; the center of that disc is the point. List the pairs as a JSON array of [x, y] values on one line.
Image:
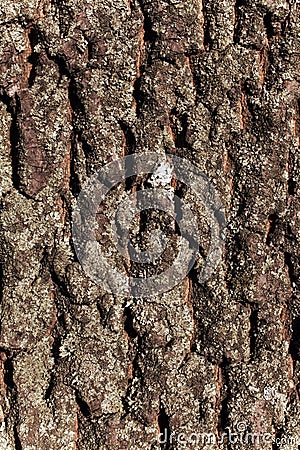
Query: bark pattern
[[83, 83]]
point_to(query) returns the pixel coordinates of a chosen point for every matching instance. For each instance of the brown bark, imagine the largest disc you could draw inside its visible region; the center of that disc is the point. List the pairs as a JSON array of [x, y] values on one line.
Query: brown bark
[[83, 83]]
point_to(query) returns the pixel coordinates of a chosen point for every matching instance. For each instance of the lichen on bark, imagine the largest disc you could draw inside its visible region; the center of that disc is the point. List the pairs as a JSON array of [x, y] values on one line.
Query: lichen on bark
[[83, 83]]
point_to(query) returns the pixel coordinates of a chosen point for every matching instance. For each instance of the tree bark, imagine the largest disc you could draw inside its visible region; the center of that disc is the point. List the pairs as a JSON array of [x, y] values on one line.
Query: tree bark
[[83, 83]]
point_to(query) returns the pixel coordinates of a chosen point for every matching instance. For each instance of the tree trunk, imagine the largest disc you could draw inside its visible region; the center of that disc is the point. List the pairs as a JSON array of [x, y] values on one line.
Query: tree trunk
[[203, 365]]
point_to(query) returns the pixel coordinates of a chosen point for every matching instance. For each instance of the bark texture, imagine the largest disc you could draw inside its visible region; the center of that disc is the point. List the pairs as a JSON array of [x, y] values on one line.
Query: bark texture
[[84, 82]]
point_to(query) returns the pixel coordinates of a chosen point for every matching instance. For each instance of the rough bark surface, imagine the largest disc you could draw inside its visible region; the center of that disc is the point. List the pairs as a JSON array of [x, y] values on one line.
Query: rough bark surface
[[84, 82]]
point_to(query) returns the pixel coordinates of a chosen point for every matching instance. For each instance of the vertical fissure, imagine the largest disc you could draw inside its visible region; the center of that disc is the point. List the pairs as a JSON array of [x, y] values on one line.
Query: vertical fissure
[[164, 428], [12, 396], [253, 331]]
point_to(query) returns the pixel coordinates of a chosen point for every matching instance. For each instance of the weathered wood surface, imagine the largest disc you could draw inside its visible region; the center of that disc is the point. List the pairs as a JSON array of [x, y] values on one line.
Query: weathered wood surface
[[84, 82]]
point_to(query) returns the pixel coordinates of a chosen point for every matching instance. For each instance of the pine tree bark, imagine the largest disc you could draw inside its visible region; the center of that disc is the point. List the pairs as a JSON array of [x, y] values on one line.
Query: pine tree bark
[[83, 83]]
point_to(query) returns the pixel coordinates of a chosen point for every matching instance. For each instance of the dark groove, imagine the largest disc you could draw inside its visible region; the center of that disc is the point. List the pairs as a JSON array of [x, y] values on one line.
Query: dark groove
[[78, 116], [58, 282], [136, 371], [14, 108], [17, 442], [34, 57], [250, 109], [294, 349], [8, 373], [1, 286], [224, 409], [50, 388], [150, 34], [133, 346], [138, 94], [130, 148], [207, 41], [278, 435], [64, 17], [150, 37], [90, 48], [237, 8], [129, 138], [253, 331], [12, 395], [164, 427], [273, 220], [268, 25], [47, 266], [179, 126], [74, 185], [288, 259], [55, 352], [104, 315], [291, 187], [83, 406], [128, 324]]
